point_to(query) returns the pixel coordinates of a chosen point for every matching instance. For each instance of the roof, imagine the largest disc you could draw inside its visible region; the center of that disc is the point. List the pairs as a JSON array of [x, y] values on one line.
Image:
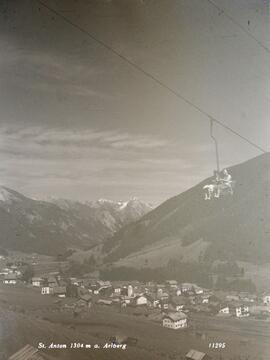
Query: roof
[[10, 277], [86, 297], [175, 316], [172, 282], [26, 353], [179, 300], [104, 301], [195, 355], [59, 290], [139, 296]]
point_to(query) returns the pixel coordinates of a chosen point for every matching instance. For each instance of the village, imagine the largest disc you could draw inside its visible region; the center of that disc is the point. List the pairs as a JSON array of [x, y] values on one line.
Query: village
[[171, 304]]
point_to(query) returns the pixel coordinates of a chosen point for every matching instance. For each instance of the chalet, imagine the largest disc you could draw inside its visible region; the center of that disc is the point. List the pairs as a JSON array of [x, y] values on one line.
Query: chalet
[[224, 310], [116, 300], [104, 302], [151, 300], [136, 290], [77, 282], [105, 291], [185, 287], [238, 310], [163, 296], [246, 297], [60, 291], [198, 290], [205, 299], [52, 282], [172, 283], [177, 303], [46, 290], [140, 300], [241, 311], [10, 279], [175, 321], [6, 271], [103, 283], [85, 301], [196, 355], [163, 304], [126, 299], [37, 281], [232, 297]]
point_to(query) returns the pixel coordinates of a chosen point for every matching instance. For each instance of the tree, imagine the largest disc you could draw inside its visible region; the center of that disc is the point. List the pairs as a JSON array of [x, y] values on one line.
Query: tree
[[27, 273]]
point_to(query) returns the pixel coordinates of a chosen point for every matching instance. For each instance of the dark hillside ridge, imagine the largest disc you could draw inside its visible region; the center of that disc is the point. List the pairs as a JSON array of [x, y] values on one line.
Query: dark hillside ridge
[[237, 226], [52, 227]]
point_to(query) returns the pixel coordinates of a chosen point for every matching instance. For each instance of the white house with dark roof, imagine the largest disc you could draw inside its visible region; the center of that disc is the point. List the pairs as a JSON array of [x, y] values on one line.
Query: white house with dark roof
[[176, 320], [10, 279], [37, 281]]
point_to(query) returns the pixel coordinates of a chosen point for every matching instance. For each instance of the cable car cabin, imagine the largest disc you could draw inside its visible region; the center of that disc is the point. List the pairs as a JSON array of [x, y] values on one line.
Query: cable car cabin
[[222, 185]]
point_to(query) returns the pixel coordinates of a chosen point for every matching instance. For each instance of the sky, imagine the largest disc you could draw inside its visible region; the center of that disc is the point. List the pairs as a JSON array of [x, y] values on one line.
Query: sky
[[78, 122]]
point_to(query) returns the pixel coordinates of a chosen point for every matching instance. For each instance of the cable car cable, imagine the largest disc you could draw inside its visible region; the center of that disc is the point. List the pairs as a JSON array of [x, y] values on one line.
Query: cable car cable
[[149, 75]]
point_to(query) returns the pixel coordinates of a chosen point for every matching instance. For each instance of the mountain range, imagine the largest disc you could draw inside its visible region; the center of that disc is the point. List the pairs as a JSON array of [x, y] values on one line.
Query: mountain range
[[51, 227], [189, 228]]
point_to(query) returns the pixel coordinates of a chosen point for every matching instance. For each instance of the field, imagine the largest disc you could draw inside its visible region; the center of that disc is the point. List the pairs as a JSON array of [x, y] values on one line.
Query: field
[[28, 317], [158, 254]]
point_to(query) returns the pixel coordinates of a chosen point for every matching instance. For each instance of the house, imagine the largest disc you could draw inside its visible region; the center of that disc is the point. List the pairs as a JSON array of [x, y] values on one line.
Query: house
[[104, 302], [266, 299], [10, 279], [196, 355], [246, 297], [163, 304], [6, 271], [60, 291], [140, 300], [87, 299], [46, 290], [37, 281], [185, 287], [52, 282], [205, 299], [172, 283], [224, 310], [198, 290], [177, 320], [163, 296], [232, 297], [117, 290], [151, 300], [178, 302], [241, 311]]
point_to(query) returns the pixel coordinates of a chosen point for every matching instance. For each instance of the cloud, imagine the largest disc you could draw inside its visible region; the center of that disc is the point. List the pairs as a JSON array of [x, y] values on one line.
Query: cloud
[[38, 141], [43, 161], [51, 73]]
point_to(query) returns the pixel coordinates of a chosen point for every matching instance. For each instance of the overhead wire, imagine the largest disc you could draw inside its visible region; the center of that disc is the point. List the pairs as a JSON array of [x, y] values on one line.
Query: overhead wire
[[243, 28], [149, 75]]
